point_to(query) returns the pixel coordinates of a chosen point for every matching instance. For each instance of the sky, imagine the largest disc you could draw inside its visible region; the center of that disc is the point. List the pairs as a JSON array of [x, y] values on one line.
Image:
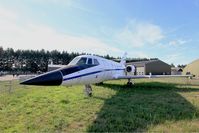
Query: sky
[[164, 29]]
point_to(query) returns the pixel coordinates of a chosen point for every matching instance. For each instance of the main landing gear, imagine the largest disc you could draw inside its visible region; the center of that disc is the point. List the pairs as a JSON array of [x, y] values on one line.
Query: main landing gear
[[88, 90], [130, 83]]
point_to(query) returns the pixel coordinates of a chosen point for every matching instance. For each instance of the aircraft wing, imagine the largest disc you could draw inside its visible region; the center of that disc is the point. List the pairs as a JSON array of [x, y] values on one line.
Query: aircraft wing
[[150, 76]]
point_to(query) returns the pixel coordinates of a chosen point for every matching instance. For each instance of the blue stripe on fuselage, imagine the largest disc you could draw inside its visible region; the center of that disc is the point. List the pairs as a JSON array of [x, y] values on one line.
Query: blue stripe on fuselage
[[72, 69], [86, 74]]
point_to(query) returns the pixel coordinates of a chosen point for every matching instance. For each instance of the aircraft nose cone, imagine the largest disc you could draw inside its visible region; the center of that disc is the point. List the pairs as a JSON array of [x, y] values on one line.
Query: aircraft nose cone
[[51, 78]]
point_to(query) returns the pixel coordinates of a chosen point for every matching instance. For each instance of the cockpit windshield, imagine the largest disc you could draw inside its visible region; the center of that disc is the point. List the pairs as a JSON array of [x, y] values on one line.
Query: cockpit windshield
[[74, 61], [78, 61], [83, 60]]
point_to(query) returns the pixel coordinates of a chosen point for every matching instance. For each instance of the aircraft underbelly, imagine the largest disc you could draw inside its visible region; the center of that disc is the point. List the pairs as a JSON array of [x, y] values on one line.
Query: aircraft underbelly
[[71, 82]]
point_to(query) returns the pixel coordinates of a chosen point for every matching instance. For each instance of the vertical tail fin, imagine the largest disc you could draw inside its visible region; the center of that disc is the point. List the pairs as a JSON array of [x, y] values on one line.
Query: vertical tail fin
[[123, 60]]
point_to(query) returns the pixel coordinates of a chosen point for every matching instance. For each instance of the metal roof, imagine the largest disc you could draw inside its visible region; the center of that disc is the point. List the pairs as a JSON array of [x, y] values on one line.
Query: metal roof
[[142, 63]]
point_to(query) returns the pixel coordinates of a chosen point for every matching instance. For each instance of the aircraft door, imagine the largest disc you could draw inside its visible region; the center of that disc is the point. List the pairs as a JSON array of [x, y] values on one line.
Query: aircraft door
[[105, 71], [99, 75]]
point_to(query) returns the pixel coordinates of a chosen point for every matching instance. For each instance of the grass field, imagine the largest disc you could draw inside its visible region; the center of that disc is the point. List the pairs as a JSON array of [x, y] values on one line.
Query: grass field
[[166, 105]]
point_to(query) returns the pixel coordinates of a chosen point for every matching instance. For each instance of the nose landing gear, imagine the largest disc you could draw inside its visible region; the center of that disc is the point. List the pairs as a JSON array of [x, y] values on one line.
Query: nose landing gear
[[88, 90]]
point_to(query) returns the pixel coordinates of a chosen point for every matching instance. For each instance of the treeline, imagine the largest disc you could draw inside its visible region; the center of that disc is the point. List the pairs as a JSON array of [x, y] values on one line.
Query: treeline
[[33, 60], [37, 60]]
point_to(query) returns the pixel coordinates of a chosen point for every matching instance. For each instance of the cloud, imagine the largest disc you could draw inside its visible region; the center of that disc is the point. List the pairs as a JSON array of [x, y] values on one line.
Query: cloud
[[173, 57], [138, 34], [6, 14], [176, 58], [33, 36], [73, 4], [177, 42], [57, 2]]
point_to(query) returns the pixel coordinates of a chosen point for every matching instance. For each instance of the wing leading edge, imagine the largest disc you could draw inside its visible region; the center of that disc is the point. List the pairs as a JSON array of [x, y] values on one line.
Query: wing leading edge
[[151, 76]]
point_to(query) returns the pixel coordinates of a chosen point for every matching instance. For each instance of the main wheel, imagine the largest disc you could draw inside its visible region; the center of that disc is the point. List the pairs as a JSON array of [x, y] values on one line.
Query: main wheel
[[129, 83]]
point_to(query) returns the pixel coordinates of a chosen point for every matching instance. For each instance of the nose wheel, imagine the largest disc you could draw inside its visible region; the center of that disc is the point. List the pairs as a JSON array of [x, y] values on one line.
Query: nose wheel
[[88, 90]]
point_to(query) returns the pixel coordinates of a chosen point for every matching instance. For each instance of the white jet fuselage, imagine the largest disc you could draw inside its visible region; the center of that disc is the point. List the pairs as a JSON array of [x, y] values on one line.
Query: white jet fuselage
[[104, 70], [88, 69]]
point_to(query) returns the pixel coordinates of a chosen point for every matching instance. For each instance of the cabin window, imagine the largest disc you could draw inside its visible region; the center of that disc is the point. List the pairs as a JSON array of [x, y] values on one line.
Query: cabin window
[[82, 61], [89, 61], [96, 62]]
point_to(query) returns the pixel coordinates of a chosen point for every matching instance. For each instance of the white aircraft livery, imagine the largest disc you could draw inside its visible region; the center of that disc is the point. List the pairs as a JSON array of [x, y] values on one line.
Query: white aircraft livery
[[86, 70]]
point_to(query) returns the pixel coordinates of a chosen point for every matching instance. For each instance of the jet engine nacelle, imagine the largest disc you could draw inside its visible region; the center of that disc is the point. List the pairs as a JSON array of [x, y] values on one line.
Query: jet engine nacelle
[[130, 69]]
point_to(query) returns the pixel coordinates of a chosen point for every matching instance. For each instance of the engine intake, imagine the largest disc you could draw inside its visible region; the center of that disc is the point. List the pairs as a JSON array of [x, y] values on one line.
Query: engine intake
[[130, 69]]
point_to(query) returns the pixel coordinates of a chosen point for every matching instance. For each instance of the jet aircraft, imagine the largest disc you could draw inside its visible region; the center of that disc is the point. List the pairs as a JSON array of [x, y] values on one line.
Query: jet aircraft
[[87, 70]]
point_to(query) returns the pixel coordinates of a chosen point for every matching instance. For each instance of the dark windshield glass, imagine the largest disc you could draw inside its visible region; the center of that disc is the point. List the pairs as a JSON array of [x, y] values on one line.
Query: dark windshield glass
[[89, 61], [82, 61]]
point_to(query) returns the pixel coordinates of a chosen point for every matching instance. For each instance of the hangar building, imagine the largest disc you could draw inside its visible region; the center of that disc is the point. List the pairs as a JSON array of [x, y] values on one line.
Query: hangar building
[[54, 67], [155, 67], [192, 68], [176, 71]]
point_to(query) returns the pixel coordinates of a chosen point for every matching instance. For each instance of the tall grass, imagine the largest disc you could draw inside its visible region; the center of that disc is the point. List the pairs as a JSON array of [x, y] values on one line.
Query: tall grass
[[150, 105]]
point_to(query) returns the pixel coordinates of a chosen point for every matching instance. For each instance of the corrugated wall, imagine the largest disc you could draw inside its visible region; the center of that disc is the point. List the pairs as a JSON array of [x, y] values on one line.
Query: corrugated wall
[[192, 68], [158, 68]]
